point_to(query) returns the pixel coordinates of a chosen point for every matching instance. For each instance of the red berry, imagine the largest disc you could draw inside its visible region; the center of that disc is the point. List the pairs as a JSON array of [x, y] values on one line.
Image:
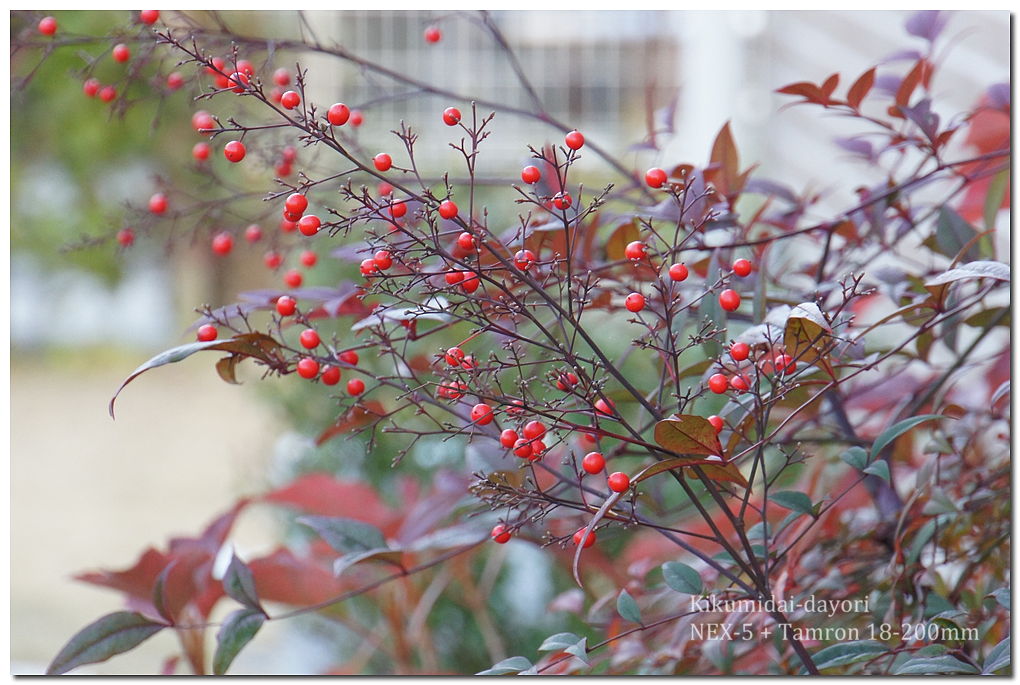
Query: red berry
[[574, 140], [635, 302], [739, 351], [107, 93], [308, 368], [309, 338], [253, 233], [586, 438], [330, 375], [174, 80], [355, 386], [245, 67], [579, 536], [432, 35], [217, 65], [309, 225], [290, 99], [296, 203], [451, 391], [500, 534], [368, 266], [382, 161], [338, 114], [537, 450], [605, 408], [447, 209], [742, 267], [288, 226], [200, 151], [121, 52], [635, 250], [273, 260], [157, 203], [276, 95], [619, 481], [281, 77], [234, 151], [523, 449], [534, 429], [717, 423], [566, 381], [91, 87], [562, 201], [593, 462], [785, 363], [292, 217], [468, 362], [466, 241], [739, 383], [293, 278], [454, 277], [470, 283], [729, 300], [47, 26], [383, 260], [398, 209], [126, 237], [454, 356], [451, 116], [384, 189], [286, 305], [357, 118], [289, 154], [718, 383], [348, 357], [508, 438], [655, 177], [148, 16], [206, 333], [678, 272], [482, 414], [530, 174], [237, 81], [222, 243], [202, 121], [524, 259]]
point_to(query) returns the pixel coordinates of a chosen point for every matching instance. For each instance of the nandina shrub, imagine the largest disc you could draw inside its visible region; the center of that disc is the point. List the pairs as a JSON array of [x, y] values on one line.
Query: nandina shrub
[[756, 438]]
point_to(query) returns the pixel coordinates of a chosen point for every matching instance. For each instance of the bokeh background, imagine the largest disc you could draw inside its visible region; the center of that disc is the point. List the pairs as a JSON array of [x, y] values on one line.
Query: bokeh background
[[83, 486]]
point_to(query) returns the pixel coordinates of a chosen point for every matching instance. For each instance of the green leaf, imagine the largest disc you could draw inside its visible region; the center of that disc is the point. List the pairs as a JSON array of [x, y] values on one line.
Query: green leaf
[[255, 345], [993, 198], [856, 457], [794, 501], [879, 468], [237, 631], [935, 666], [559, 642], [627, 607], [1002, 596], [110, 635], [386, 554], [239, 584], [514, 664], [682, 578], [998, 658], [953, 232], [896, 430], [345, 534], [848, 653]]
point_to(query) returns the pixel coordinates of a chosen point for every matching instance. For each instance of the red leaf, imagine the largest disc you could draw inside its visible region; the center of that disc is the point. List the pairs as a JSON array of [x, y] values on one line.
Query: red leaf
[[726, 159], [920, 74], [325, 495], [361, 414], [806, 90], [283, 577], [829, 87], [860, 88]]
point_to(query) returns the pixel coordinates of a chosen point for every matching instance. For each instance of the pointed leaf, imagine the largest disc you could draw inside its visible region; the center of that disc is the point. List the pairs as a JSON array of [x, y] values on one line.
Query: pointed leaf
[[878, 468], [998, 658], [239, 583], [726, 159], [807, 334], [110, 635], [979, 269], [848, 653], [627, 607], [682, 578], [514, 664], [345, 534], [688, 434], [897, 429], [238, 629], [559, 642], [794, 501], [937, 665], [380, 554], [856, 457], [860, 88]]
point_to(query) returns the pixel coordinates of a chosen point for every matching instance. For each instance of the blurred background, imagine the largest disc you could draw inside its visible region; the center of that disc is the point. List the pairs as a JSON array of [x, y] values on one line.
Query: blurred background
[[82, 316]]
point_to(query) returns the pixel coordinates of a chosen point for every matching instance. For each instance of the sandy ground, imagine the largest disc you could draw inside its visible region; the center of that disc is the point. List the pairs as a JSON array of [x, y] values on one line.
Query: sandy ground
[[90, 492]]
